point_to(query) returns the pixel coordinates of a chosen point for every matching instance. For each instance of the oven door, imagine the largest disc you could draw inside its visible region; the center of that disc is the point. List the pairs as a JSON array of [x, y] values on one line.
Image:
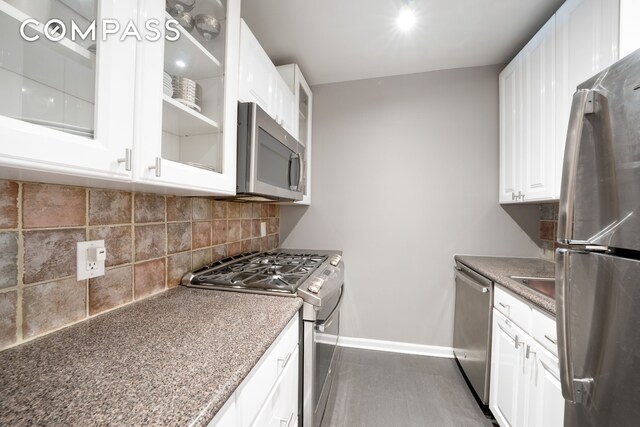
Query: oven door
[[325, 340], [269, 161]]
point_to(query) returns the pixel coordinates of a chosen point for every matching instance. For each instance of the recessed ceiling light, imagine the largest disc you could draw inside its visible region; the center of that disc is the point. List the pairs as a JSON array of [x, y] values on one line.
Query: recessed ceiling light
[[406, 18], [180, 64]]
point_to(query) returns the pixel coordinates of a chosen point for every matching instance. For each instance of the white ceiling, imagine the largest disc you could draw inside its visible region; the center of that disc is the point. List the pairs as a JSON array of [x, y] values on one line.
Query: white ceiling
[[341, 40]]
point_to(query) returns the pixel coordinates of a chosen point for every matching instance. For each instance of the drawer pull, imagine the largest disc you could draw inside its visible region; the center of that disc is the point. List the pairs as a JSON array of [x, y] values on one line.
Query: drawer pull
[[529, 352], [284, 422], [554, 342], [505, 306], [285, 360]]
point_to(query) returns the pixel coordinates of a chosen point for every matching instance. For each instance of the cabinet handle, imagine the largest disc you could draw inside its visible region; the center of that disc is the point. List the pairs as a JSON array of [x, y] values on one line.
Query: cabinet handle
[[157, 166], [554, 342], [505, 306], [516, 342], [126, 159], [513, 195], [285, 360], [286, 422], [529, 352]]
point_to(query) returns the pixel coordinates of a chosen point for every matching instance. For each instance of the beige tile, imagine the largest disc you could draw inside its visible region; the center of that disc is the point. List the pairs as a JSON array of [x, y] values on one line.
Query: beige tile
[[246, 246], [117, 240], [219, 232], [111, 290], [178, 237], [234, 210], [148, 207], [8, 259], [52, 305], [255, 244], [50, 254], [201, 209], [149, 278], [264, 210], [201, 257], [150, 241], [8, 315], [109, 207], [256, 210], [235, 230], [547, 229], [273, 241], [45, 205], [234, 248], [219, 252], [273, 225], [274, 210], [245, 226], [8, 204], [255, 228], [218, 209], [247, 210], [177, 266], [201, 234], [178, 208]]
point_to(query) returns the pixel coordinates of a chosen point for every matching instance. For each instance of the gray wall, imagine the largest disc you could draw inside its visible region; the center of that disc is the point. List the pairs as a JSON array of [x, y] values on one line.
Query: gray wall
[[405, 175]]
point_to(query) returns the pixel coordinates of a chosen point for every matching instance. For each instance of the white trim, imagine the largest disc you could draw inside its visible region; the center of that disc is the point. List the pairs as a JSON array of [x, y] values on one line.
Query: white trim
[[396, 347]]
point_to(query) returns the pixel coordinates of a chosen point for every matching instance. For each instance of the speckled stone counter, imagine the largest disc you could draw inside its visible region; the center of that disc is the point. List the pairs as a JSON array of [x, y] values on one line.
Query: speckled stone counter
[[173, 359], [498, 269]]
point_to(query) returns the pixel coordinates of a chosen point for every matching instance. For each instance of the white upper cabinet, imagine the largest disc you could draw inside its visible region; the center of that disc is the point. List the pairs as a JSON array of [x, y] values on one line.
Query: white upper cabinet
[[580, 40], [66, 109], [261, 83], [302, 118], [185, 137]]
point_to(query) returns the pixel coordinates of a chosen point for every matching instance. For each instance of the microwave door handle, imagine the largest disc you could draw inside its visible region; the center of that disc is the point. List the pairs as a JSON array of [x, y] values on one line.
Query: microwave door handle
[[294, 156], [583, 103], [302, 171]]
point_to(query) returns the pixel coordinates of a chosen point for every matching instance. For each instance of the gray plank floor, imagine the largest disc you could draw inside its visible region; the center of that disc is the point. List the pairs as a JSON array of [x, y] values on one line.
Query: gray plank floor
[[373, 388]]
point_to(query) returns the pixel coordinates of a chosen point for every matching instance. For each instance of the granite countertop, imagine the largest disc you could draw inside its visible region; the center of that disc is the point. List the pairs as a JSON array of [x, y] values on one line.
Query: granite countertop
[[172, 359], [498, 269]]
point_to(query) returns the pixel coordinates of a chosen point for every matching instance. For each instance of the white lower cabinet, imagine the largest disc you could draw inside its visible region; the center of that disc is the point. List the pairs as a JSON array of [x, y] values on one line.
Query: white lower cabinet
[[525, 386], [268, 396]]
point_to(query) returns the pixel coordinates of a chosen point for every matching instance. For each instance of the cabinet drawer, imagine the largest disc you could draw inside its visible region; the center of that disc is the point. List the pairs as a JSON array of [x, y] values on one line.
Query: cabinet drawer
[[544, 331], [281, 407], [516, 310], [253, 391]]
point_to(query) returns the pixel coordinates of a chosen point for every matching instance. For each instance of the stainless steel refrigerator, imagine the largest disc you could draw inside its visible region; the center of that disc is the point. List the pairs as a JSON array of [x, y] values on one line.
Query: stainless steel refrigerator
[[598, 275]]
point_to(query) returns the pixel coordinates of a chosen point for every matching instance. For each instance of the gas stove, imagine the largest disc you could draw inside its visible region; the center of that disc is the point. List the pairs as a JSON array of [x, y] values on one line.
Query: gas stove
[[280, 272]]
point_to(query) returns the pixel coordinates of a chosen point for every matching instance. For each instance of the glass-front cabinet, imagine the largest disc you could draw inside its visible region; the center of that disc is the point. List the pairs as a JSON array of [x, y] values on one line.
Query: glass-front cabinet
[[66, 89], [186, 97]]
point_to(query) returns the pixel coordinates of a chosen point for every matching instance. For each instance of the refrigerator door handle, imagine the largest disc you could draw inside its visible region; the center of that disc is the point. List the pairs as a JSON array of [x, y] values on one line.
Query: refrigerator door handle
[[583, 103], [562, 325]]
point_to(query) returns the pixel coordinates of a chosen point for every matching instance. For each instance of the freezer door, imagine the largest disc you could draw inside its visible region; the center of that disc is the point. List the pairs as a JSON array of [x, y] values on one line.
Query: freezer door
[[598, 322], [600, 195]]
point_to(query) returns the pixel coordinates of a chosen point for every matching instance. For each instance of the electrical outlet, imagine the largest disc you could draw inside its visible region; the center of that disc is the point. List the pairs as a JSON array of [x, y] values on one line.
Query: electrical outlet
[[263, 228], [90, 259]]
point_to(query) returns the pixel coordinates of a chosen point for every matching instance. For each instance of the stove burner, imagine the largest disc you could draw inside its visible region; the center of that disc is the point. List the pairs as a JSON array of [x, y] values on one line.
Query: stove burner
[[275, 272]]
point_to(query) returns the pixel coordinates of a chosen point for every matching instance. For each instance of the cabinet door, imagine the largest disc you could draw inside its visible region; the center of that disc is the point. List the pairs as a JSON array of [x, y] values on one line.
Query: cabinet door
[[587, 34], [539, 133], [507, 396], [510, 85], [257, 73], [188, 146], [286, 106], [63, 108], [546, 402]]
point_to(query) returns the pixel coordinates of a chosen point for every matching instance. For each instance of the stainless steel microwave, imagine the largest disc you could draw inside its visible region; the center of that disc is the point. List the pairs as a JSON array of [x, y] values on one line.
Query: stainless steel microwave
[[271, 162]]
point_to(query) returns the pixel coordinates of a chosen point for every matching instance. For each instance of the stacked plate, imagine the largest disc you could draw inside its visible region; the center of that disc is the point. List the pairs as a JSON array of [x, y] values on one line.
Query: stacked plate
[[167, 86], [187, 92]]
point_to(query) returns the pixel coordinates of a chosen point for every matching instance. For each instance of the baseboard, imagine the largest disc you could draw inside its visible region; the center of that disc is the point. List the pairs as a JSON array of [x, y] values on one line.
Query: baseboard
[[396, 347]]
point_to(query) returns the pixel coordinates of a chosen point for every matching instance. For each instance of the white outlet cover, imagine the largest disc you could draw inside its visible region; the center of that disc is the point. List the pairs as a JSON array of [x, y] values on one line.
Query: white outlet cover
[[263, 228], [82, 269]]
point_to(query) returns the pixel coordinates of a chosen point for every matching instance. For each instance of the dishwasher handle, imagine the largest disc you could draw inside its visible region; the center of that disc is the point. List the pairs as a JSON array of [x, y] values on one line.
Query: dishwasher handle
[[469, 281]]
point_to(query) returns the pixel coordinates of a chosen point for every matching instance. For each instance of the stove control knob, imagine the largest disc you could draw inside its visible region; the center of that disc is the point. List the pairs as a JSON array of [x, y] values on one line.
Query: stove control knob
[[315, 285], [335, 259]]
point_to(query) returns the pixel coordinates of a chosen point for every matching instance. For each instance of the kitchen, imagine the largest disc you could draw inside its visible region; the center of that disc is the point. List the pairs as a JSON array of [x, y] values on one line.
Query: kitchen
[[407, 156]]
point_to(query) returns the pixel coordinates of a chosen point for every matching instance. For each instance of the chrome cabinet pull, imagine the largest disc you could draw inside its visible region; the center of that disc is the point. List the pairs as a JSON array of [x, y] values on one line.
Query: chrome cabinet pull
[[554, 342], [286, 422], [505, 306], [126, 159], [529, 352], [285, 360], [157, 166]]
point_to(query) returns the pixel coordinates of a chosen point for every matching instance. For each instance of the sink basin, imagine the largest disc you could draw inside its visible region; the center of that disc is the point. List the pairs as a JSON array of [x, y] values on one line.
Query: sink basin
[[544, 285]]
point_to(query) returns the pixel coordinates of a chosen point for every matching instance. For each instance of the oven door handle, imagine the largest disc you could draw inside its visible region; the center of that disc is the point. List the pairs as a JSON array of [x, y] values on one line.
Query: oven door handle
[[329, 320]]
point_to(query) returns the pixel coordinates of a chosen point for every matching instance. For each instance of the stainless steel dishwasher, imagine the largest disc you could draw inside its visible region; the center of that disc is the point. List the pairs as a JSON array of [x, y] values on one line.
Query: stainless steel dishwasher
[[472, 328]]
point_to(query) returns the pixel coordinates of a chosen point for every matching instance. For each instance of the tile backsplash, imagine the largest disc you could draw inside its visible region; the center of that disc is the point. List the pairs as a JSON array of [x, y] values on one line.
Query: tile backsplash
[[548, 229], [152, 241]]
